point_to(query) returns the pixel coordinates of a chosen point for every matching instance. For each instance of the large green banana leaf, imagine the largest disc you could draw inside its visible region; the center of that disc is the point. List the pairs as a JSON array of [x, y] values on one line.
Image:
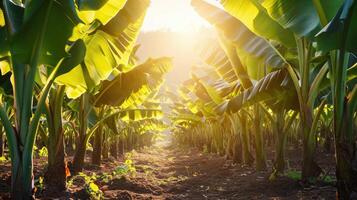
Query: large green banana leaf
[[257, 19], [135, 84], [302, 17], [75, 56], [12, 17], [341, 32], [252, 50], [100, 59], [125, 27], [101, 10], [276, 86], [108, 50], [40, 36], [216, 58]]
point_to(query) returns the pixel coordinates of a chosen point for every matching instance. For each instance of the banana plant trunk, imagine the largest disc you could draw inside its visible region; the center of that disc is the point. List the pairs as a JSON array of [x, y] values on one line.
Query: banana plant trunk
[[21, 138], [247, 156], [81, 140], [114, 148], [98, 141], [237, 149], [78, 159], [97, 148], [70, 140], [105, 152], [310, 168], [346, 160], [121, 146], [2, 145], [344, 126], [259, 145], [56, 174], [279, 163]]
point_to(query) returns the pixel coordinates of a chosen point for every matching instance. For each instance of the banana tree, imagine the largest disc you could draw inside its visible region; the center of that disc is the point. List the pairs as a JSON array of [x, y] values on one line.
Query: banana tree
[[338, 38], [276, 15], [35, 33], [101, 32], [133, 133], [148, 77], [338, 35]]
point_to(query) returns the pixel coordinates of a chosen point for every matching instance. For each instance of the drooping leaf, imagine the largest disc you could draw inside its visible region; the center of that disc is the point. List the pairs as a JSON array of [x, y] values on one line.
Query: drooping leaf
[[215, 57], [100, 59], [341, 31], [75, 56], [252, 50], [256, 18], [125, 27], [108, 50], [148, 75], [276, 86], [207, 92]]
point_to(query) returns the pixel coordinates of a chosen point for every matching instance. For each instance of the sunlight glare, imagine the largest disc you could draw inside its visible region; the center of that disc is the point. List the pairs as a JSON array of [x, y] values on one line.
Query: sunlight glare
[[174, 15]]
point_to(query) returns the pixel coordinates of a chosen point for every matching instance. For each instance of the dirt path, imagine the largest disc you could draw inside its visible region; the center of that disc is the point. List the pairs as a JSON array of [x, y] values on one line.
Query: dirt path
[[171, 173], [165, 172]]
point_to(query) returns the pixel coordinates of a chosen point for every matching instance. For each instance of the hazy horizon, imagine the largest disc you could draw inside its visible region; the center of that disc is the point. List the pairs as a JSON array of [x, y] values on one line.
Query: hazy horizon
[[184, 48]]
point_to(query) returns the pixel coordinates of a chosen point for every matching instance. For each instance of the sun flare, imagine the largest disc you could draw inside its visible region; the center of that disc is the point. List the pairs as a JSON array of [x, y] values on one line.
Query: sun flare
[[173, 15]]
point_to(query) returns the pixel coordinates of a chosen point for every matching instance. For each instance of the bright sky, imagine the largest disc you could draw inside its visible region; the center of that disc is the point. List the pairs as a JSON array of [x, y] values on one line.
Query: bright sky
[[173, 15]]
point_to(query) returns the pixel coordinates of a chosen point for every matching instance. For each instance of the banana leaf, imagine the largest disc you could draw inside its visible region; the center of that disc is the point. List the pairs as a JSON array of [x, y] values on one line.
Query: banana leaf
[[102, 10], [253, 51], [302, 17], [275, 87], [108, 53], [139, 82], [41, 32], [257, 19], [341, 32]]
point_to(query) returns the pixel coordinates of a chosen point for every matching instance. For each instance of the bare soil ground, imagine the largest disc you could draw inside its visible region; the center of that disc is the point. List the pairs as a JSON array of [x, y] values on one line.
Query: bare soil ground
[[174, 173]]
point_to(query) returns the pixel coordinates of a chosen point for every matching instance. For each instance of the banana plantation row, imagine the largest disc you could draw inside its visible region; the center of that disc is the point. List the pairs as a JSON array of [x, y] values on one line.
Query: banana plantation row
[[281, 72], [70, 81], [70, 78]]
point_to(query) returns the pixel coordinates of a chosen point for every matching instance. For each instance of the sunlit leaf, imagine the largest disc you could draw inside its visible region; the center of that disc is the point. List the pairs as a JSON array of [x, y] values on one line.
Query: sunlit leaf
[[256, 18]]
